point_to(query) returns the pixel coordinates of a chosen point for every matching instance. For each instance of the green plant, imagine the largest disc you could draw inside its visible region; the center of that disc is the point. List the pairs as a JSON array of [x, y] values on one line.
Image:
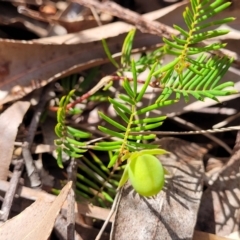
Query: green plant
[[193, 73]]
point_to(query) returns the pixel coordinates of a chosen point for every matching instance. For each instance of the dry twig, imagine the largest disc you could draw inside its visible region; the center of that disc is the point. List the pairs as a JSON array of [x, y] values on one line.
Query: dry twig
[[129, 16], [9, 196], [33, 175], [72, 171]]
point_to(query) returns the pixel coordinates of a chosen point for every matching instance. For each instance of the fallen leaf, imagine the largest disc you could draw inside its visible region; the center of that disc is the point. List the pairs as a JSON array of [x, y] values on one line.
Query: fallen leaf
[[36, 221], [9, 122], [27, 65]]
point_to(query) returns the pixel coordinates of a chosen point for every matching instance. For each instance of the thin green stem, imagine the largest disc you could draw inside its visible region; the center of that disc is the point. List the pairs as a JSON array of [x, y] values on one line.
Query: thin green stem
[[128, 130]]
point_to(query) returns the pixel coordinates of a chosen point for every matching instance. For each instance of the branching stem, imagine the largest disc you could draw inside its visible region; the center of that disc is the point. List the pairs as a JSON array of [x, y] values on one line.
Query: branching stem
[[103, 82]]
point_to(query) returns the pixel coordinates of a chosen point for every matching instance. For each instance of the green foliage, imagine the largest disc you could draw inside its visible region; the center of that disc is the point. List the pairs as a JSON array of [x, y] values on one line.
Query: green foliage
[[198, 20], [68, 141], [126, 107], [92, 175], [204, 83], [192, 73]]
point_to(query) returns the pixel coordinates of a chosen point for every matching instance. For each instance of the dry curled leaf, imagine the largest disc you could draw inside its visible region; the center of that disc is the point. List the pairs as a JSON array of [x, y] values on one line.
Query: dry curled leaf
[[9, 122]]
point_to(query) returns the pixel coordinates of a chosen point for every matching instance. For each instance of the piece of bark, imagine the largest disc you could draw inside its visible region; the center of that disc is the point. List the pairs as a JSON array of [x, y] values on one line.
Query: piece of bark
[[172, 213]]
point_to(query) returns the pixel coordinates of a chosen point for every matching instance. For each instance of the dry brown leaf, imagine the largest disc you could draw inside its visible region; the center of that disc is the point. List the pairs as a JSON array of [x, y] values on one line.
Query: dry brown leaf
[[35, 222], [9, 122], [173, 212], [27, 65]]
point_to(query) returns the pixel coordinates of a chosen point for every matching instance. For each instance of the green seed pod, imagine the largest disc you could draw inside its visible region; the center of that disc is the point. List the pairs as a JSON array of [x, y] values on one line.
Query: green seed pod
[[146, 174]]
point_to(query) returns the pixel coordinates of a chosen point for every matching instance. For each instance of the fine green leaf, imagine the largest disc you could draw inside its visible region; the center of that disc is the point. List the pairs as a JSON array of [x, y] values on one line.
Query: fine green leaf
[[155, 106], [113, 160], [59, 130], [127, 47], [128, 88], [146, 84], [59, 157], [106, 148], [142, 137], [108, 53], [134, 72], [109, 120], [75, 142], [106, 144], [110, 132], [121, 114], [77, 133], [120, 105], [99, 163], [72, 154], [127, 99], [149, 120], [146, 127]]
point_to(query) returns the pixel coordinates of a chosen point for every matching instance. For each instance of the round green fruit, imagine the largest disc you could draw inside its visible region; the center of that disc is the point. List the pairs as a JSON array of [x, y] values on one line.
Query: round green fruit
[[146, 174]]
